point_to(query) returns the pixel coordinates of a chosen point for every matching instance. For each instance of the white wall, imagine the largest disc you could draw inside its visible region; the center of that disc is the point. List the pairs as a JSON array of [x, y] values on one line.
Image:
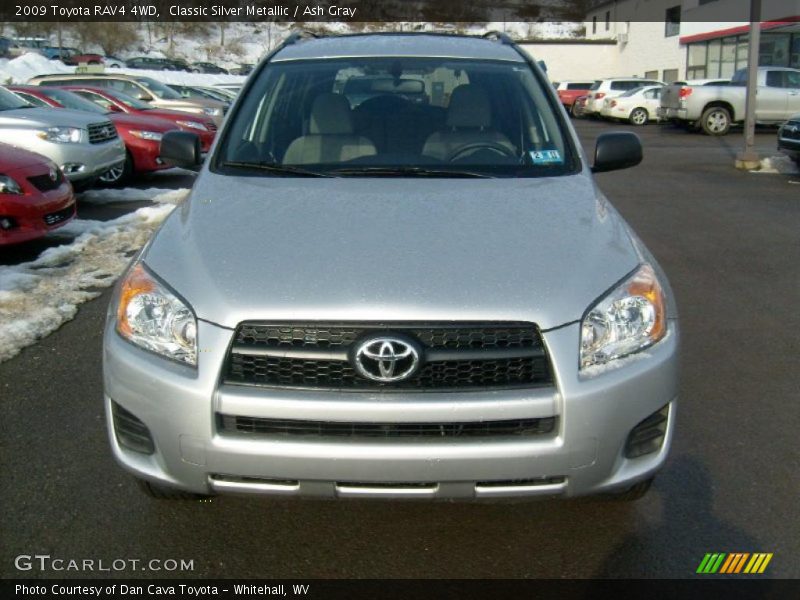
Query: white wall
[[648, 50], [575, 61]]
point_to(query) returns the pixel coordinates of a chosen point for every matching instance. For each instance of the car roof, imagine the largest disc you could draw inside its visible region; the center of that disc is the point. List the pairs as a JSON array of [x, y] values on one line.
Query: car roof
[[396, 45]]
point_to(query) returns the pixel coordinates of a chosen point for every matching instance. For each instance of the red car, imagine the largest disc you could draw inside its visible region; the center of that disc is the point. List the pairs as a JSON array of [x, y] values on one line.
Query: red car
[[569, 91], [35, 197], [142, 135], [115, 101]]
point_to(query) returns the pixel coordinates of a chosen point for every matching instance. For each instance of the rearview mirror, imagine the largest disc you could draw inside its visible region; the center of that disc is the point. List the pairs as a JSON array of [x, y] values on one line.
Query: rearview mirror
[[616, 150], [181, 149]]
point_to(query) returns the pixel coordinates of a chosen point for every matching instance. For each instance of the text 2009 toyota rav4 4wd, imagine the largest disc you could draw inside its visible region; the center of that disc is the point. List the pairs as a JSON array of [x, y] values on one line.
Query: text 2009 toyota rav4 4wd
[[415, 290]]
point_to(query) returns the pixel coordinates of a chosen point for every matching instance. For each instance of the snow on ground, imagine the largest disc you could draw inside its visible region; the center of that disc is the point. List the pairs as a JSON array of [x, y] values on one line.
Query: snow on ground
[[37, 297], [777, 164]]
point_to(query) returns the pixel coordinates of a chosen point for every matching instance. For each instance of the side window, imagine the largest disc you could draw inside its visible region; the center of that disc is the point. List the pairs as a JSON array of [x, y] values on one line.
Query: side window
[[618, 85], [792, 79], [99, 100], [32, 99], [775, 79], [126, 87]]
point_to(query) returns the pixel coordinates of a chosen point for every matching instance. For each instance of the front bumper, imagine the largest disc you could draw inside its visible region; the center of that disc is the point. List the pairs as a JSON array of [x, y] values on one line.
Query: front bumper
[[584, 454]]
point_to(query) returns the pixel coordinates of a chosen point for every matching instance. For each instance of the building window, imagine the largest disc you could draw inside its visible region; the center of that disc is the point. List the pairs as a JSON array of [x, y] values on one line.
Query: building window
[[651, 74], [794, 58], [774, 50], [672, 21], [608, 20], [728, 58], [594, 24], [669, 75]]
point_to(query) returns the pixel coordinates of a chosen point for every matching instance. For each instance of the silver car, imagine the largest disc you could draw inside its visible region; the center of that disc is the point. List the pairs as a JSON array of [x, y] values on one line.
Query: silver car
[[83, 145], [424, 298]]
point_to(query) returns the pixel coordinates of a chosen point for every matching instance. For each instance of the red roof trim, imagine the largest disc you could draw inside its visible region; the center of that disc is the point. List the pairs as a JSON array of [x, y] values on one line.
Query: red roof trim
[[765, 26]]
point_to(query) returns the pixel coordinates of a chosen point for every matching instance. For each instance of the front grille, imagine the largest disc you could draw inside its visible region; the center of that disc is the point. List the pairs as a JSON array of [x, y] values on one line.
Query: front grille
[[288, 427], [459, 356], [102, 132], [60, 215], [791, 134], [45, 183]]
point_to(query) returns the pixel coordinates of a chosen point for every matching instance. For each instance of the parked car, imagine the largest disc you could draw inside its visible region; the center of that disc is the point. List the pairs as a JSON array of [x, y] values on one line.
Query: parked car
[[117, 102], [145, 89], [207, 67], [224, 94], [71, 56], [35, 197], [191, 91], [234, 88], [789, 138], [569, 91], [157, 64], [141, 134], [243, 69], [714, 109], [611, 88], [84, 146], [460, 314], [114, 62], [702, 82], [579, 107], [9, 48], [637, 106]]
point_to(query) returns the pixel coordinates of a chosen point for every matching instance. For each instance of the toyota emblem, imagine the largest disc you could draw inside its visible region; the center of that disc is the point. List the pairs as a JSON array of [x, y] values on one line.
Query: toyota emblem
[[386, 358]]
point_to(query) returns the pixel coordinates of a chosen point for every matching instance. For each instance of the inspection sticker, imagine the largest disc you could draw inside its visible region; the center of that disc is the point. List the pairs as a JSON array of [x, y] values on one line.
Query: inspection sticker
[[546, 157]]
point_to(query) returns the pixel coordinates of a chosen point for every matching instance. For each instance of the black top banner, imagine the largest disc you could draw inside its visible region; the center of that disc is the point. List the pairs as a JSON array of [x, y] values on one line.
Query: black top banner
[[474, 11]]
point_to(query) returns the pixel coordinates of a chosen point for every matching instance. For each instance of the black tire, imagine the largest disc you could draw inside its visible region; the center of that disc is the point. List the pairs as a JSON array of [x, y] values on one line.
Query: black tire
[[635, 492], [160, 492], [716, 121], [573, 111], [639, 116], [117, 177]]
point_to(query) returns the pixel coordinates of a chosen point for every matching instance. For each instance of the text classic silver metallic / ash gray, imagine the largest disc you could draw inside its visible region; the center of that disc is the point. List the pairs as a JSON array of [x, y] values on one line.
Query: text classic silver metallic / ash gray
[[394, 277]]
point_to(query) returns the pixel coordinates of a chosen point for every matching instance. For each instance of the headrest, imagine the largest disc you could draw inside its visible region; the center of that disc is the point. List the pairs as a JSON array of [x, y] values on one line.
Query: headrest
[[330, 114], [469, 107]]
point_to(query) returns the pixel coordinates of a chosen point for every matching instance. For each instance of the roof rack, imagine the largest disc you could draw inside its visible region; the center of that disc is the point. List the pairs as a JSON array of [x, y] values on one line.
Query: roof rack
[[296, 36], [500, 36]]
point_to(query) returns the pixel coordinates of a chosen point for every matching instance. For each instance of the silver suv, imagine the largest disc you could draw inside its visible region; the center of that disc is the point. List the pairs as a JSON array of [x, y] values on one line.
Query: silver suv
[[384, 296]]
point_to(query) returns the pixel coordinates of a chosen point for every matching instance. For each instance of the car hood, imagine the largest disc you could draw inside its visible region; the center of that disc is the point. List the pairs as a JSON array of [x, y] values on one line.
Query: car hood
[[12, 157], [193, 103], [48, 117], [540, 250], [172, 115], [141, 122]]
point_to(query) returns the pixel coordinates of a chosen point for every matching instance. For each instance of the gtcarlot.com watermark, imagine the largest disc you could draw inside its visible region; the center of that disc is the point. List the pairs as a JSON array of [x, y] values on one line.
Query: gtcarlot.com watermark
[[45, 562]]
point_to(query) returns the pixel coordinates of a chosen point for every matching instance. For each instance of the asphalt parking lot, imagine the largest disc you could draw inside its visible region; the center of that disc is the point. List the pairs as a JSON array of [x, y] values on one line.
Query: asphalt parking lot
[[729, 242]]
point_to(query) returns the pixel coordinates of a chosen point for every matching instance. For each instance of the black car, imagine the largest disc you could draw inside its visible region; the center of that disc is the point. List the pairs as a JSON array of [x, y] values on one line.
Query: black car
[[789, 138], [206, 67], [243, 69], [157, 64]]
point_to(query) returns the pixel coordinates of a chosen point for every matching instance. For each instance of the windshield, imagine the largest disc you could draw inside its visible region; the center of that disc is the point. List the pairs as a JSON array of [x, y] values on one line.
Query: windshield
[[128, 101], [73, 101], [9, 101], [159, 89], [420, 116]]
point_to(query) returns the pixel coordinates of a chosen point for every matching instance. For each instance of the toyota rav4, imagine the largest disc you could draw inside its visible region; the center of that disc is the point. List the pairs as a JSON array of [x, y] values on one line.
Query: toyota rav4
[[384, 296]]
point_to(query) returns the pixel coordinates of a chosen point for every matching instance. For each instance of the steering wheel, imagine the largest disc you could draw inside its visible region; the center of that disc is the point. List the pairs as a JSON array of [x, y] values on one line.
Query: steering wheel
[[495, 147]]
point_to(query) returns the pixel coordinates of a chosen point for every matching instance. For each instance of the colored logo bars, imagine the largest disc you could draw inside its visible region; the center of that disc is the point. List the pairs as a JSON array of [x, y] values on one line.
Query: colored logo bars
[[734, 563]]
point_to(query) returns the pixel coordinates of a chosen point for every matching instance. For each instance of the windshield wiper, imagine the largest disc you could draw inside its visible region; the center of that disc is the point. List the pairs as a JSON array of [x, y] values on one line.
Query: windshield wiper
[[274, 168], [413, 171]]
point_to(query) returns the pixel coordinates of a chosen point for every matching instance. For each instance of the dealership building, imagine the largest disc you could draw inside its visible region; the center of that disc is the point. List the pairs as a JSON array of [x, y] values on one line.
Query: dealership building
[[672, 39]]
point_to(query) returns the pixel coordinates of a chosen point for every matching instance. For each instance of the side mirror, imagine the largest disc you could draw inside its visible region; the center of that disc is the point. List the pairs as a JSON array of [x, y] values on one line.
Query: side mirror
[[144, 97], [181, 149], [616, 150]]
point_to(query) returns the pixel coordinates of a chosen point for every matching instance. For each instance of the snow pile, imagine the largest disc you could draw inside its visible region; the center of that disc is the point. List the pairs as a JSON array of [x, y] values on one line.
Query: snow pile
[[37, 297], [22, 68], [777, 164]]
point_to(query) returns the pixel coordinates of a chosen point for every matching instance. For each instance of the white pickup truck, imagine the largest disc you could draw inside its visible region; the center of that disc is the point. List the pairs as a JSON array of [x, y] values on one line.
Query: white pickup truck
[[714, 108]]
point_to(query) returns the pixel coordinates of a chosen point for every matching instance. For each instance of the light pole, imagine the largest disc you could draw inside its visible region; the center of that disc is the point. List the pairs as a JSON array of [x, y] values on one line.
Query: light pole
[[748, 158]]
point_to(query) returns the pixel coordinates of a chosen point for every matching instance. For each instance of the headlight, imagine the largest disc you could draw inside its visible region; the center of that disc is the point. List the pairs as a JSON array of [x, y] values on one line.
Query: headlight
[[61, 135], [146, 135], [628, 319], [212, 111], [192, 125], [151, 316], [9, 186]]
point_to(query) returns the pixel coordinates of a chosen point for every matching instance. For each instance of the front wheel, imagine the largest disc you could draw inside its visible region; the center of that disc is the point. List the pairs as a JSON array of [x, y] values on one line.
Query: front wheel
[[639, 117], [119, 174], [716, 121]]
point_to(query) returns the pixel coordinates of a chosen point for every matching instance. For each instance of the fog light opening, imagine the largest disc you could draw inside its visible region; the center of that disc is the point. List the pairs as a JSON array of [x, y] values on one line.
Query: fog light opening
[[7, 223], [131, 432], [648, 436]]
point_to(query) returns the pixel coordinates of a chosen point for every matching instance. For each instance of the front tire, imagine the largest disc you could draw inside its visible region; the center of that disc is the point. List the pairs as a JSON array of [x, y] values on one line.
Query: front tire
[[118, 175], [639, 117], [716, 121]]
